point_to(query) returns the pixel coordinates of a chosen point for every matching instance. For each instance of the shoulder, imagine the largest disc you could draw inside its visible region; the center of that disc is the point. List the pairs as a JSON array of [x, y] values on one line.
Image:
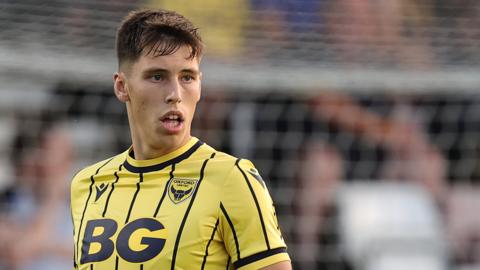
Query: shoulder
[[227, 161], [218, 158], [225, 165], [108, 164]]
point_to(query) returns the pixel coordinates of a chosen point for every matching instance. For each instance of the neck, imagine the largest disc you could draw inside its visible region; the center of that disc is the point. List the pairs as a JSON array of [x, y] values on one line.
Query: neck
[[164, 146]]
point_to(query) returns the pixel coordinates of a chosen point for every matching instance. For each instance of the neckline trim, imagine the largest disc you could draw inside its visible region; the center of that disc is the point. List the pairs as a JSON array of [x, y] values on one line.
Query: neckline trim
[[137, 168]]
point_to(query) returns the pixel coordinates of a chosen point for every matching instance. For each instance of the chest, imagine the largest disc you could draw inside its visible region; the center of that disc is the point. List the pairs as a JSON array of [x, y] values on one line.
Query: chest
[[150, 218]]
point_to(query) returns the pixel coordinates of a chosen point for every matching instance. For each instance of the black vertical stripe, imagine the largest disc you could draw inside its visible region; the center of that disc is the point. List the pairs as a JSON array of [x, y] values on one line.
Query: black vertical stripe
[[75, 266], [224, 211], [74, 246], [141, 266], [92, 182], [164, 191], [111, 191], [256, 203], [179, 234], [208, 244], [116, 262], [228, 262], [91, 266], [134, 198], [83, 214]]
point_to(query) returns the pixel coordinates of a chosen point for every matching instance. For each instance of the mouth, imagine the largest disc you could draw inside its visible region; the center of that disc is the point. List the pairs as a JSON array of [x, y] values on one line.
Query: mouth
[[172, 121]]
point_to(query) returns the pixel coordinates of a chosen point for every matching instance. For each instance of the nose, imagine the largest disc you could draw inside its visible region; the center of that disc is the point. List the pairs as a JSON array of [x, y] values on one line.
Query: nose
[[174, 95]]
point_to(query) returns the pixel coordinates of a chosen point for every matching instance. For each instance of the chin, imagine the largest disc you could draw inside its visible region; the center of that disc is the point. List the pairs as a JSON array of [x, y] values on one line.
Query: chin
[[173, 134], [172, 137]]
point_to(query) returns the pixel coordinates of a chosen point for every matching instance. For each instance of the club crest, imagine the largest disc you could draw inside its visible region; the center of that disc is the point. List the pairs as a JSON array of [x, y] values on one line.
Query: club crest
[[180, 189]]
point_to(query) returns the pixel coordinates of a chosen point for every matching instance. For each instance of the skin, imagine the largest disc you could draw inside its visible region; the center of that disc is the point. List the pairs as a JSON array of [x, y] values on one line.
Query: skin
[[151, 87], [279, 266]]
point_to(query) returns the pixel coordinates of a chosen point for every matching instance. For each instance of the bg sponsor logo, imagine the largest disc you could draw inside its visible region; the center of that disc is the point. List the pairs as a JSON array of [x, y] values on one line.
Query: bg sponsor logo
[[138, 241]]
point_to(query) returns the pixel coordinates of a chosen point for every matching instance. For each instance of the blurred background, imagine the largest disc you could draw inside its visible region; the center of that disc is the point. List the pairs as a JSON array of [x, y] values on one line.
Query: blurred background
[[363, 117]]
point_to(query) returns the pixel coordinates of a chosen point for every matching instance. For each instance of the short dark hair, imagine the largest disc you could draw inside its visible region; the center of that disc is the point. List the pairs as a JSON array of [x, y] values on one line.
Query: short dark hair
[[161, 32]]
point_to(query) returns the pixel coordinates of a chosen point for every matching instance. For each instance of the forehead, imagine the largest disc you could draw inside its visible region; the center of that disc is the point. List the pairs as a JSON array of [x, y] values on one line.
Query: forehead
[[179, 60]]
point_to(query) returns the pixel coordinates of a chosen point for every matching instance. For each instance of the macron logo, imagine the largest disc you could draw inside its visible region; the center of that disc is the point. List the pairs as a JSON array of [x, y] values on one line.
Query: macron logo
[[100, 190]]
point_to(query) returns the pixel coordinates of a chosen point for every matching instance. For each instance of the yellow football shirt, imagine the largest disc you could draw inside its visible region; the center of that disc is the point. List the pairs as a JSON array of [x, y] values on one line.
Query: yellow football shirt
[[194, 208]]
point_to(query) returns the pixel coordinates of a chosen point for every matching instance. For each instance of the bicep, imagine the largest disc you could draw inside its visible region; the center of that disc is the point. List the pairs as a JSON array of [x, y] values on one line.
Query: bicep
[[285, 265]]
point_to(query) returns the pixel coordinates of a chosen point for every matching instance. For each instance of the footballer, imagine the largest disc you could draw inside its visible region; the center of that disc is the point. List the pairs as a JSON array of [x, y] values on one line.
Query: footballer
[[170, 201]]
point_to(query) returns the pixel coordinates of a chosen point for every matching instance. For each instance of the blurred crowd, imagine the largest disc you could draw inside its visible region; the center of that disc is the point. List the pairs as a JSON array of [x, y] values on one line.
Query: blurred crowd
[[308, 147], [35, 225], [349, 33], [393, 34]]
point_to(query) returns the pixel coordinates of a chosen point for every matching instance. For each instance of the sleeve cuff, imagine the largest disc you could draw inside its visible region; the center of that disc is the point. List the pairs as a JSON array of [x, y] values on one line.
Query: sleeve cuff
[[262, 259]]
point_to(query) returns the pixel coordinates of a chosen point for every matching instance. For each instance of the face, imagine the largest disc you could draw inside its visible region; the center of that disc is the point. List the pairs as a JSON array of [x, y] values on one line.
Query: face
[[161, 94]]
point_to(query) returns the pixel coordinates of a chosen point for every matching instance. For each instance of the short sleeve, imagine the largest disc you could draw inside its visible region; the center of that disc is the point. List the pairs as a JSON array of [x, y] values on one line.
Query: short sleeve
[[248, 221]]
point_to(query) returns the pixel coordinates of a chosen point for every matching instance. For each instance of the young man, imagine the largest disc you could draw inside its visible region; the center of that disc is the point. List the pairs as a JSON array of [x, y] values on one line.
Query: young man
[[170, 201]]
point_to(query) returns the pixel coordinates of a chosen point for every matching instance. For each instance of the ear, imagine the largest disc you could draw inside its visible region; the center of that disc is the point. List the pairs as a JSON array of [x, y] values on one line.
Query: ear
[[120, 87]]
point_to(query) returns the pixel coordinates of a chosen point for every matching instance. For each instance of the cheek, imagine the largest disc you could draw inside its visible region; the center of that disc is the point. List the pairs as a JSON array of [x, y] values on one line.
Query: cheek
[[148, 109], [141, 101], [193, 102], [199, 90], [139, 104], [197, 97], [195, 93], [142, 109]]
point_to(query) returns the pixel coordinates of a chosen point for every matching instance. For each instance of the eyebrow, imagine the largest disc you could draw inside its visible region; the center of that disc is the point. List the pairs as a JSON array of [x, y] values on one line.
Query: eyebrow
[[166, 71]]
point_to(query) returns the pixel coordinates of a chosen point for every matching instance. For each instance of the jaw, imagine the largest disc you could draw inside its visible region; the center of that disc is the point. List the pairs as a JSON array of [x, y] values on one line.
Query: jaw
[[152, 137]]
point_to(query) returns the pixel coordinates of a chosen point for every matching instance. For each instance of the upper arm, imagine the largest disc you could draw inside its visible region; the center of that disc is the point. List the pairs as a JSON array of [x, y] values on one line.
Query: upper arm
[[285, 265], [248, 222]]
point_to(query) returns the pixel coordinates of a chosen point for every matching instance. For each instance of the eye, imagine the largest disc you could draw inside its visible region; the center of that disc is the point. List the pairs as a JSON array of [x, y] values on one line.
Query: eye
[[187, 78], [157, 77]]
